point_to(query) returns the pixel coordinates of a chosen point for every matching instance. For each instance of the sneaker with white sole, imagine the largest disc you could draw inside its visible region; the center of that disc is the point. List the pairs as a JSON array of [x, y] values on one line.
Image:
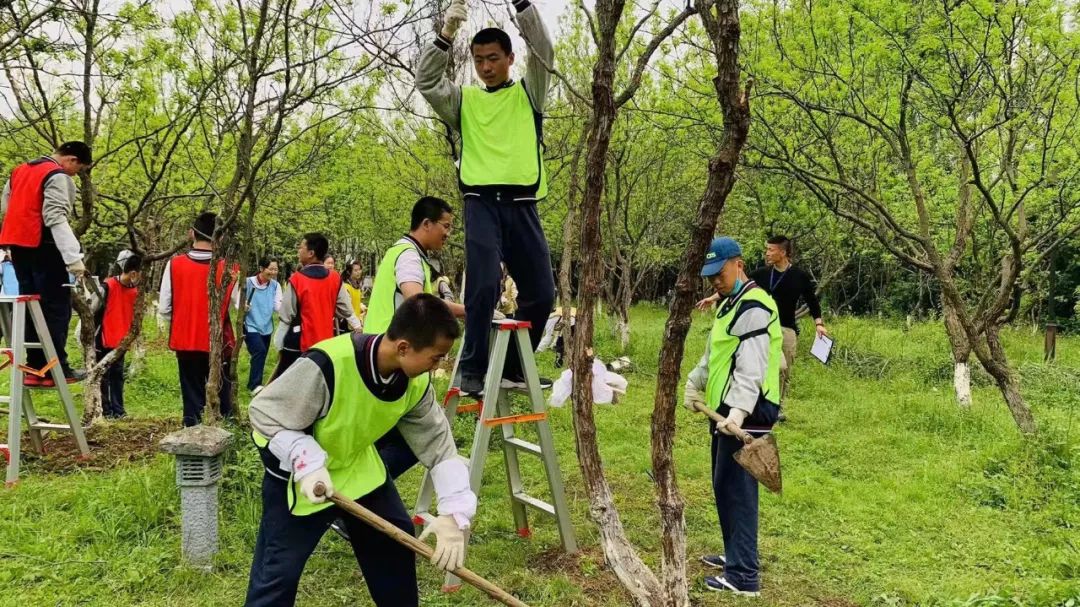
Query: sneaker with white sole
[[518, 383], [714, 561], [717, 583]]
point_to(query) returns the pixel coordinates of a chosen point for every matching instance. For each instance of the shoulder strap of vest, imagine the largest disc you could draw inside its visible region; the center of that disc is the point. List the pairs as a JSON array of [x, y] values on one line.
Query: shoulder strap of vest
[[745, 306]]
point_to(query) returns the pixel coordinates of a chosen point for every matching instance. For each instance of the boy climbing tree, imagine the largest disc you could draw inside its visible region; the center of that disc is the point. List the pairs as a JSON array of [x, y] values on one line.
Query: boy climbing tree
[[317, 424], [501, 177]]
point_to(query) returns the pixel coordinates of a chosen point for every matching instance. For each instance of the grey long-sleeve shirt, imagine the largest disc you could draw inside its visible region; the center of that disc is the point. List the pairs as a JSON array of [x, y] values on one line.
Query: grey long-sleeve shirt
[[445, 96], [59, 198], [751, 362]]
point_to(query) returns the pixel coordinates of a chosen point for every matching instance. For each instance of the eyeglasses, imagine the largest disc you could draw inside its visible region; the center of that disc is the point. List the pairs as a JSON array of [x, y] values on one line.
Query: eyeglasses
[[449, 227]]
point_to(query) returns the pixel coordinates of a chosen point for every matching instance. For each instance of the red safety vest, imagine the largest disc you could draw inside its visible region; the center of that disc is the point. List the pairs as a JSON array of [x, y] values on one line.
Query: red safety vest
[[23, 223], [316, 299], [119, 312], [190, 330]]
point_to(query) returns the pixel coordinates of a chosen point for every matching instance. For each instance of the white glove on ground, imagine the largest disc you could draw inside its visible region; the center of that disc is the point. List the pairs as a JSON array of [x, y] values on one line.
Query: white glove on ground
[[735, 417], [310, 480], [692, 396], [454, 17], [449, 551]]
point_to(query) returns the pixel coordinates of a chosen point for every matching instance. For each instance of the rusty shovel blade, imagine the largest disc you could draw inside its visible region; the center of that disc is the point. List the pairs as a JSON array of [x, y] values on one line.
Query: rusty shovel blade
[[761, 458]]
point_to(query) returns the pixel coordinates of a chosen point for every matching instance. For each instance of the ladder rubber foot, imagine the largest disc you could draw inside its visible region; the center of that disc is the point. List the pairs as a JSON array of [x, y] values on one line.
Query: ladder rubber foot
[[524, 532], [84, 458], [418, 520], [10, 484], [451, 588]]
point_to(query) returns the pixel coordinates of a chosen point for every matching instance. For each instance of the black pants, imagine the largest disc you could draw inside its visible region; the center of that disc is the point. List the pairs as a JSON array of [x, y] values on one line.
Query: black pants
[[285, 360], [497, 229], [112, 385], [285, 543], [194, 373], [41, 271]]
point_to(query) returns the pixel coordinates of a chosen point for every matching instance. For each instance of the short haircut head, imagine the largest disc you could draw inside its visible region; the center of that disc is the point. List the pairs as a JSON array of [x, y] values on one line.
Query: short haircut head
[[204, 226], [317, 244], [78, 149], [133, 263], [781, 241], [421, 320], [493, 34], [430, 208], [266, 261]]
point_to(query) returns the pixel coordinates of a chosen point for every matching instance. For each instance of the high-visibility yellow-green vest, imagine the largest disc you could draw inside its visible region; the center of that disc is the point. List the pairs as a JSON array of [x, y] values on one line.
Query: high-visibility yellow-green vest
[[723, 345], [381, 304], [356, 419], [501, 141]]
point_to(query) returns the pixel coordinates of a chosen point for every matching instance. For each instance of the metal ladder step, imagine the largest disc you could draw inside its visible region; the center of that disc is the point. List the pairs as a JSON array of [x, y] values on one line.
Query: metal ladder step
[[45, 426], [539, 504], [524, 445]]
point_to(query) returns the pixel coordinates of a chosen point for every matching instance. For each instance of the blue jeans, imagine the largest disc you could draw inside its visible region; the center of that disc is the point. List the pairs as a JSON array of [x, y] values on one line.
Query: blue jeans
[[285, 543], [258, 345], [503, 230]]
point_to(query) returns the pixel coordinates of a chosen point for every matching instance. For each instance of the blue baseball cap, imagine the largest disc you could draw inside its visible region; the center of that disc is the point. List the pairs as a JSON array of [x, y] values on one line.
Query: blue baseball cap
[[721, 250]]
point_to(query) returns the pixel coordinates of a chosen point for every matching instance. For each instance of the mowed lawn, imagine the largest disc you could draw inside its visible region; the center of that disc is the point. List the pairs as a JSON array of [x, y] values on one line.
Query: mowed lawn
[[892, 495]]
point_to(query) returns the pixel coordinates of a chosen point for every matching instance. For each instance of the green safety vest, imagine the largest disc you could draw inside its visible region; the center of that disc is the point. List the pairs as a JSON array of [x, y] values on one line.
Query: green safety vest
[[356, 419], [723, 345], [381, 304], [500, 141]]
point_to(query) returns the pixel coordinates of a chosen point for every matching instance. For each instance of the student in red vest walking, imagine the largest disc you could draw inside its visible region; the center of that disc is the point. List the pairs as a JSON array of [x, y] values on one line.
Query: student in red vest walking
[[35, 205], [316, 295], [113, 321], [185, 303]]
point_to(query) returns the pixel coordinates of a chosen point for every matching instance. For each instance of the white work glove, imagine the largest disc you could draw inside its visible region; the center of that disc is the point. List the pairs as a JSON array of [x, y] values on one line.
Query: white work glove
[[692, 396], [454, 17], [498, 315], [310, 480], [735, 417], [449, 551], [77, 268]]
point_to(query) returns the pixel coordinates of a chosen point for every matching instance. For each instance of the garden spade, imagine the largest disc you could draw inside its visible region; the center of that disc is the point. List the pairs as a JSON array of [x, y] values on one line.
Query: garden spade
[[759, 456], [417, 546]]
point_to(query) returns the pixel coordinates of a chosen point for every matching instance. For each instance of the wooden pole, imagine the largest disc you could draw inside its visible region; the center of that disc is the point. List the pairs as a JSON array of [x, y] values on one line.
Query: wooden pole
[[419, 547], [1050, 344]]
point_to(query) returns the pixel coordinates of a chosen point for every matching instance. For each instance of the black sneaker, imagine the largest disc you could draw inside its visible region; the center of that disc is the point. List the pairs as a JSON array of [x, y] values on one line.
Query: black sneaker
[[338, 526], [472, 385], [72, 376], [714, 561], [517, 382], [717, 583]]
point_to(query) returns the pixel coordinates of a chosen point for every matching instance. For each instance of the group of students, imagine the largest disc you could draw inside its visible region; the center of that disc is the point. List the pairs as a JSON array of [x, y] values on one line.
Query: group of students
[[351, 405]]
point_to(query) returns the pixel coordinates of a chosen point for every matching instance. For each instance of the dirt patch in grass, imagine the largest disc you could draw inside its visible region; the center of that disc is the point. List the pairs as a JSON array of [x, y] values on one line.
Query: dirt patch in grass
[[586, 569], [112, 444]]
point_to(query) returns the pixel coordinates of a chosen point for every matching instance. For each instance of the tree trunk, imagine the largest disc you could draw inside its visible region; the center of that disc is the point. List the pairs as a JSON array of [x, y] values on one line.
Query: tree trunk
[[723, 29], [997, 365], [620, 555], [961, 354]]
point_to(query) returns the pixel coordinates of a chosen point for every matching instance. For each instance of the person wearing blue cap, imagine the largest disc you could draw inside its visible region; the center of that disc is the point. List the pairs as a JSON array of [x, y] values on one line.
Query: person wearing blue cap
[[739, 378]]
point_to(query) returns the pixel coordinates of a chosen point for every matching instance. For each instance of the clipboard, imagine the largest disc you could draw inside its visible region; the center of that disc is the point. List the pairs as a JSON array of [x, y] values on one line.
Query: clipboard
[[822, 349]]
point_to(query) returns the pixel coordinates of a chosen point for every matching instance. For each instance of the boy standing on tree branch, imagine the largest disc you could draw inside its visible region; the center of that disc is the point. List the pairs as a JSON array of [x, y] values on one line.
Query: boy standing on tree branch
[[501, 176]]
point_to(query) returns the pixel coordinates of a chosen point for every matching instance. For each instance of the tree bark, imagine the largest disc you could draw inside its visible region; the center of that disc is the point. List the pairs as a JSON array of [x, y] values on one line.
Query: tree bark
[[960, 346], [723, 29]]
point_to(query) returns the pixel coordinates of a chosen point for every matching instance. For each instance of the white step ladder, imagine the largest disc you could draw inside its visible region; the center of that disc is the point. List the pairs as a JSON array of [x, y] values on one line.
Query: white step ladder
[[13, 315], [497, 412]]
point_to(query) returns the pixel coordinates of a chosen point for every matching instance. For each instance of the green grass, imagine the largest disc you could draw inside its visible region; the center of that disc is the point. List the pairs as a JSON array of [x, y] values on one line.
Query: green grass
[[893, 496]]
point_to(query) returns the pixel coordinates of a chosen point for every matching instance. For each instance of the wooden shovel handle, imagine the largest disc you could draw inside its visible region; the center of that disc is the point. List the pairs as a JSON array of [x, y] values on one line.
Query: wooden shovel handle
[[720, 419], [417, 546]]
